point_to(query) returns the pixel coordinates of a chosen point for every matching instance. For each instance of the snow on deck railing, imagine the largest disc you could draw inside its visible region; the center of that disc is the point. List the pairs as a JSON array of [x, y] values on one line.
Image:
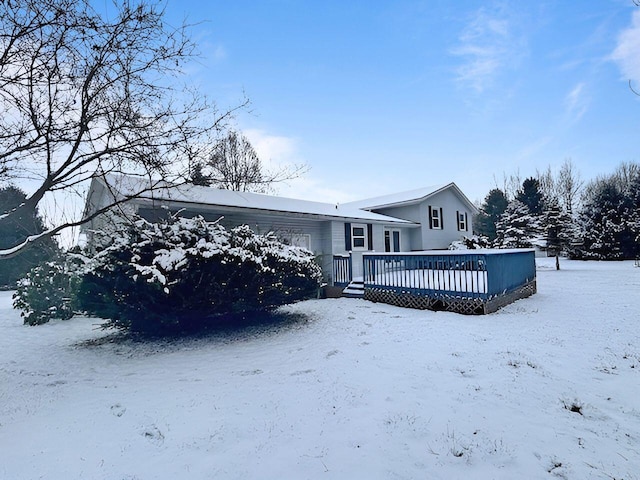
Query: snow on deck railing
[[476, 274], [342, 269]]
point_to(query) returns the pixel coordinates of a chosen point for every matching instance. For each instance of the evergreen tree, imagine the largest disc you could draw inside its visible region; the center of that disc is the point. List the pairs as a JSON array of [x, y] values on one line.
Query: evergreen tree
[[634, 216], [607, 221], [531, 195], [517, 227], [198, 177], [558, 228], [15, 230], [495, 204], [553, 227]]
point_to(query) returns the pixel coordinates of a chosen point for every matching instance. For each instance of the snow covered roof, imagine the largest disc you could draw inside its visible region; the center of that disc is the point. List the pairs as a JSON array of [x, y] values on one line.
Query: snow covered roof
[[124, 186], [409, 197]]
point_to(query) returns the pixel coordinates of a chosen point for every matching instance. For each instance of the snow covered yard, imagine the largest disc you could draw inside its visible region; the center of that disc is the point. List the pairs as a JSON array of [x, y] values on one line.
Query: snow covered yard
[[547, 387]]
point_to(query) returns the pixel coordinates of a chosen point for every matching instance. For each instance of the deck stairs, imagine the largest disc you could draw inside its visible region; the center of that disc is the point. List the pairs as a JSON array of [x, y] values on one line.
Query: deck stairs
[[355, 289]]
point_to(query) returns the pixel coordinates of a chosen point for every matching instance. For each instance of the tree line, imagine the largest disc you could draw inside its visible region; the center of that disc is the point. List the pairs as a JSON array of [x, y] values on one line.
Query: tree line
[[562, 214]]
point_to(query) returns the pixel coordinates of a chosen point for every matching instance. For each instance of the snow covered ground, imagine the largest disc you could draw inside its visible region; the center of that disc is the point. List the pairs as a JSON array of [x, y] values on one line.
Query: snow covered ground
[[548, 387]]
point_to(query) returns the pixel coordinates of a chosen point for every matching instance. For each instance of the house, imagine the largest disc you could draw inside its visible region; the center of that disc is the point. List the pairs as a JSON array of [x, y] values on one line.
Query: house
[[425, 219]]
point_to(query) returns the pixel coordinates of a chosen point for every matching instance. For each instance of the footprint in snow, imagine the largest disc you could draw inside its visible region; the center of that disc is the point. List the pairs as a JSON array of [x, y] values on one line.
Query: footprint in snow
[[153, 434], [56, 383], [118, 410]]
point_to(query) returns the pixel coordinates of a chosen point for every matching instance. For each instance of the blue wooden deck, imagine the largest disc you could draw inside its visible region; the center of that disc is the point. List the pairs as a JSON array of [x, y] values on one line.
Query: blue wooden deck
[[475, 279]]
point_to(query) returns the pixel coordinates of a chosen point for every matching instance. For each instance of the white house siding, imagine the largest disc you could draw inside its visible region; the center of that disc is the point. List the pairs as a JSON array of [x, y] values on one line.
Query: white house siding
[[406, 212], [427, 238], [415, 239], [107, 222], [410, 238], [337, 237], [434, 239], [378, 238]]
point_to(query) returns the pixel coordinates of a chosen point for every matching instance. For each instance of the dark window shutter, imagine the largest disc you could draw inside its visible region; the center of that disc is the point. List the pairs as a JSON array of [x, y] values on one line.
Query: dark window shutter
[[441, 220], [370, 236], [430, 218], [466, 222], [347, 236], [458, 219]]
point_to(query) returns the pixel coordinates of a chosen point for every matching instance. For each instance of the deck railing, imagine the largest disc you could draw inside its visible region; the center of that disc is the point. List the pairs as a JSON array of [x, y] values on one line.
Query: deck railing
[[342, 269], [481, 274]]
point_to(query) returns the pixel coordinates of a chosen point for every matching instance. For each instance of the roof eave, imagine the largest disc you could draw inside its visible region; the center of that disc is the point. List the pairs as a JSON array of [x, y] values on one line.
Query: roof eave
[[235, 208], [414, 201]]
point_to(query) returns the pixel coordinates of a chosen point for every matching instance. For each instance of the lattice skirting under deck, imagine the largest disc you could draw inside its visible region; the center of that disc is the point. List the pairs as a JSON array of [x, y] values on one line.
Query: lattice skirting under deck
[[448, 303]]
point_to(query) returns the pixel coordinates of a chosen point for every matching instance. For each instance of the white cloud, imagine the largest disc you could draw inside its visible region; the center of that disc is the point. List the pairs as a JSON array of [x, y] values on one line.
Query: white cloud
[[577, 102], [277, 152], [487, 46], [532, 149], [627, 51], [273, 150], [219, 53]]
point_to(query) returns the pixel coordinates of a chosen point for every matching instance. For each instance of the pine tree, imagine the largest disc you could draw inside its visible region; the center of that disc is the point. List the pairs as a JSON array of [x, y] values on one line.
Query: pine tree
[[604, 227], [495, 204], [558, 228], [517, 227], [531, 195], [14, 231]]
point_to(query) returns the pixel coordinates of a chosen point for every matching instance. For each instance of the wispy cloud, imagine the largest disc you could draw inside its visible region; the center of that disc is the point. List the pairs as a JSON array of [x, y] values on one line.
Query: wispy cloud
[[277, 152], [577, 102], [219, 53], [272, 148], [487, 45], [627, 51], [533, 149]]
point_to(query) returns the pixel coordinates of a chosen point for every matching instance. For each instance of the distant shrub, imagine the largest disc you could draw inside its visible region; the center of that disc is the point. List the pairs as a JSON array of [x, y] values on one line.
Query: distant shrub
[[473, 242], [184, 273], [47, 292]]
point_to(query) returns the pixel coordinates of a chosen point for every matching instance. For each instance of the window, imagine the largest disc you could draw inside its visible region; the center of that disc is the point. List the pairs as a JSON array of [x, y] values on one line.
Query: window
[[462, 221], [359, 236], [435, 218], [301, 240]]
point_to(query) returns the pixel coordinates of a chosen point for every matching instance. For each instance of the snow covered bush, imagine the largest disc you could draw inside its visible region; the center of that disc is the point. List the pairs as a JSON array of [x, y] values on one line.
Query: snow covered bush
[[46, 293], [474, 242], [183, 273]]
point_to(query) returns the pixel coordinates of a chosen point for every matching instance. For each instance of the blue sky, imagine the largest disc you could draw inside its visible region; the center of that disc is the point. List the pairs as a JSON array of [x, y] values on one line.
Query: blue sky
[[383, 96]]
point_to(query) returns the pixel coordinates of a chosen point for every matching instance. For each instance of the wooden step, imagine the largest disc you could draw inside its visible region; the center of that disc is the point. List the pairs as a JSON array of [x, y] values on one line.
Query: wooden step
[[355, 289]]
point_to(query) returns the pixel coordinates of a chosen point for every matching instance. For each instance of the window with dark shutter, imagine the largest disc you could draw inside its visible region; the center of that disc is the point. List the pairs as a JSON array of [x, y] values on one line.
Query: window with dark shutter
[[359, 236], [435, 218], [461, 218]]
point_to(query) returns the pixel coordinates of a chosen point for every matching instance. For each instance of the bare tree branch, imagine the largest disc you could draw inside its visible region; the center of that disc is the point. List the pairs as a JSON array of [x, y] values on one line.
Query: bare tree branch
[[82, 95], [234, 165]]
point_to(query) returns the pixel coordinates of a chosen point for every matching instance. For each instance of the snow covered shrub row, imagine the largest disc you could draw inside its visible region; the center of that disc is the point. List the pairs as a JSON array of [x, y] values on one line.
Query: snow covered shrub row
[[180, 273], [47, 292]]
